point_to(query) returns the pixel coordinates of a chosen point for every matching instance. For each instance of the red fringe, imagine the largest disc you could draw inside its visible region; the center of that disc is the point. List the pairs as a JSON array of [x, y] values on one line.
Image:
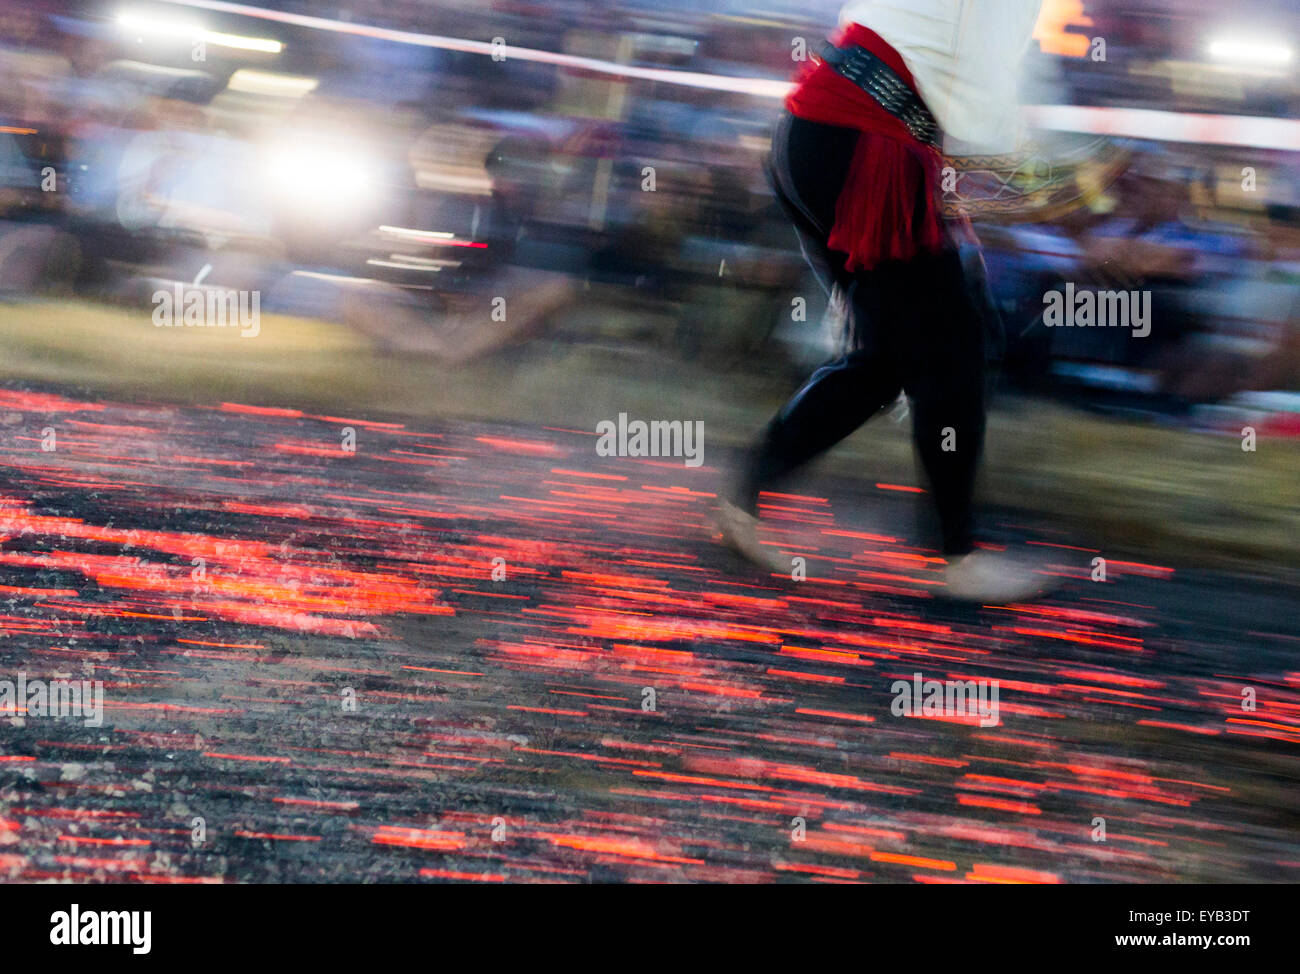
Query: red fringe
[[876, 216]]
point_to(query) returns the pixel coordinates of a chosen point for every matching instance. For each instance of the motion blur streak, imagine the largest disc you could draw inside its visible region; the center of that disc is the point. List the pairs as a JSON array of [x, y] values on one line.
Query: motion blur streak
[[692, 79]]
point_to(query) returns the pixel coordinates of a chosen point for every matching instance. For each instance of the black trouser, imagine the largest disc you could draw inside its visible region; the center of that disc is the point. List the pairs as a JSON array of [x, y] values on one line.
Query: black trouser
[[913, 328]]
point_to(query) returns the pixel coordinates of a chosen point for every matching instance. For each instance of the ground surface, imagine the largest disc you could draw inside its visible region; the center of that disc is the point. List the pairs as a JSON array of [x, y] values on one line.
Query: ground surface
[[236, 579], [1147, 489]]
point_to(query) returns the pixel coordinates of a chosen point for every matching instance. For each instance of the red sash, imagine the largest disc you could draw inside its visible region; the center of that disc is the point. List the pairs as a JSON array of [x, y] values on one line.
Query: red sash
[[876, 216]]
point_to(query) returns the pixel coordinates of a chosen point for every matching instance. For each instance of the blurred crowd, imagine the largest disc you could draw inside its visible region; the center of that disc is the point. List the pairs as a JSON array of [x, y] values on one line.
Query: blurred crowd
[[144, 141]]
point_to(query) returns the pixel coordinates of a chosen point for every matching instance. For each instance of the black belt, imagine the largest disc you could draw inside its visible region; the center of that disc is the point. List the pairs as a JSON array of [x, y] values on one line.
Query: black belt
[[886, 88]]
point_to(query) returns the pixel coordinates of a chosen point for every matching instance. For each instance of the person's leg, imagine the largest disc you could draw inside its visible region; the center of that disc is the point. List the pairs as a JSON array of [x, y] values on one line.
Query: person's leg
[[937, 338], [938, 342], [837, 399], [809, 165]]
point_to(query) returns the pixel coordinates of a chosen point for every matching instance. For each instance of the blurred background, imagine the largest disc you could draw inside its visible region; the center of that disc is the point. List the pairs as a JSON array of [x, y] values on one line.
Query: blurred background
[[555, 211], [474, 231]]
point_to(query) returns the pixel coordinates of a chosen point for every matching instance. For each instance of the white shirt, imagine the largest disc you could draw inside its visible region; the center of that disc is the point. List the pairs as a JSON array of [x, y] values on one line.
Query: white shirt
[[965, 57]]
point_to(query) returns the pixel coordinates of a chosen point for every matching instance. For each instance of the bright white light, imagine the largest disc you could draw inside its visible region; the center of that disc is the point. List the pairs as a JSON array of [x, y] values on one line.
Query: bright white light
[[425, 235], [323, 179], [137, 23], [159, 25], [335, 278], [275, 85], [241, 43], [403, 265], [1250, 52]]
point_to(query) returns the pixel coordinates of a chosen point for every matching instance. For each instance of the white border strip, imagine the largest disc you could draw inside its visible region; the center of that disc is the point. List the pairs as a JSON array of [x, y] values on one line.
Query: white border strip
[[692, 79], [1140, 123]]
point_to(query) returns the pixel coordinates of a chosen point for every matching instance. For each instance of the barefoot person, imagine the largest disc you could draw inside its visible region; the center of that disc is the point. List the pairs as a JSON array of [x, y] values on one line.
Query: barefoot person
[[856, 163]]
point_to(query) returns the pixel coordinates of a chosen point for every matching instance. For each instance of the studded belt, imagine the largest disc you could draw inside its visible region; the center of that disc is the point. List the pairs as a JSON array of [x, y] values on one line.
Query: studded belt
[[886, 88]]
